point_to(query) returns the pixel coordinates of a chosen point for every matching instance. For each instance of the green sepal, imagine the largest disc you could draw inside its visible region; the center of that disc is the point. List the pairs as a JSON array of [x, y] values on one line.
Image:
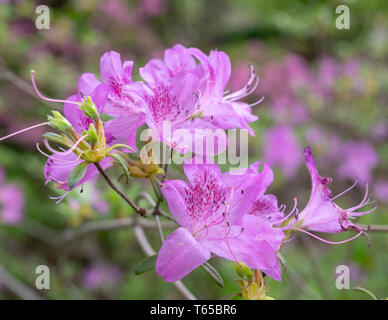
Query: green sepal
[[77, 174]]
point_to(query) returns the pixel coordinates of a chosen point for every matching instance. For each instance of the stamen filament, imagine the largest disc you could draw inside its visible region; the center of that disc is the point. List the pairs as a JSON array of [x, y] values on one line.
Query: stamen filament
[[327, 241], [45, 98], [24, 130], [345, 191]]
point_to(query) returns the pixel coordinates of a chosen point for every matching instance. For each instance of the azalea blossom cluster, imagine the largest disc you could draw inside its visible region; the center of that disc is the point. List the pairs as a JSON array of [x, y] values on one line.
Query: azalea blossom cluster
[[226, 214]]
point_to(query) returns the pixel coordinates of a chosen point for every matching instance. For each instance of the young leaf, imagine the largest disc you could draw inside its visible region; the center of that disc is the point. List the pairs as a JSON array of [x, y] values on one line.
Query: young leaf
[[146, 265], [77, 174], [213, 273], [123, 164]]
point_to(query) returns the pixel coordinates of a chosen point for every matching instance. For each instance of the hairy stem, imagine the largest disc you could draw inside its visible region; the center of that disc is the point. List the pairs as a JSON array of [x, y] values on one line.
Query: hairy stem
[[140, 211]]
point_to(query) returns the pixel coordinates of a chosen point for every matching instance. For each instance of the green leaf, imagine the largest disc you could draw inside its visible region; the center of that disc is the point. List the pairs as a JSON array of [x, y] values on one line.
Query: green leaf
[[77, 174], [146, 265], [123, 164], [363, 290], [213, 273], [282, 260]]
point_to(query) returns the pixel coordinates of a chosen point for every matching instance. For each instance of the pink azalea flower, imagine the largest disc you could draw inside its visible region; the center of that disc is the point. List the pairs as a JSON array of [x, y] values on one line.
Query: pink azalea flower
[[282, 149], [212, 212], [321, 214], [60, 164], [11, 202], [116, 77], [191, 96]]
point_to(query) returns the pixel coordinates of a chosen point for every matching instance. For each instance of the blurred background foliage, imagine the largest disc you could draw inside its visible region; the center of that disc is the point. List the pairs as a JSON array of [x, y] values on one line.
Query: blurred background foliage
[[323, 87]]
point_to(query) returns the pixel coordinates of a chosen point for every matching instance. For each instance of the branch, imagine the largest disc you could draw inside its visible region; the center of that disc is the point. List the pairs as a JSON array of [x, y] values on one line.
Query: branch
[[140, 211], [149, 251], [151, 201], [375, 227], [17, 287], [106, 225]]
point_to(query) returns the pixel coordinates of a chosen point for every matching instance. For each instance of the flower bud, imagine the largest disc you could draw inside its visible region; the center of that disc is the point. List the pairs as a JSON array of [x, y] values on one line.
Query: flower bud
[[59, 122], [243, 271], [55, 138], [92, 135], [89, 108]]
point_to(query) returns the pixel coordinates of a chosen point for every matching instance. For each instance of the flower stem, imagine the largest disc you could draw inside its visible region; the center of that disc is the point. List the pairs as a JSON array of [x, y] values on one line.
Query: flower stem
[[375, 228], [140, 211]]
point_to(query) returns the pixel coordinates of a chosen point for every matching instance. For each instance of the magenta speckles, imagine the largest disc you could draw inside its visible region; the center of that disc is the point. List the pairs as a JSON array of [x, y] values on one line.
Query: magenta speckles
[[204, 200]]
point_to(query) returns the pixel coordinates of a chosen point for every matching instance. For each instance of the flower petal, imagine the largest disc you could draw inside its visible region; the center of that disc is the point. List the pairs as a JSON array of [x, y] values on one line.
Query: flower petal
[[174, 191], [180, 254], [111, 68], [87, 83]]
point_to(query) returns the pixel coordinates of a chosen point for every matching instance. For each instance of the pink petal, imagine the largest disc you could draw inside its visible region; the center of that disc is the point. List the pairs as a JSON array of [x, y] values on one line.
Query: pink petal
[[87, 83], [180, 254], [174, 191], [111, 67]]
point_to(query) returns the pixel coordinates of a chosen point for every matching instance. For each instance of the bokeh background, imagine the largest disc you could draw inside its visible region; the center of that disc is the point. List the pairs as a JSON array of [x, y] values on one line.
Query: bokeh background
[[323, 87]]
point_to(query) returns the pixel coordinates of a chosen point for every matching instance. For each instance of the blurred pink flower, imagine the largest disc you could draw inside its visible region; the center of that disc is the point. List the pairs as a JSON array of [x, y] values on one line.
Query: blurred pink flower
[[97, 276], [11, 202], [358, 160], [327, 75], [282, 149], [154, 7], [93, 198], [381, 190], [117, 10]]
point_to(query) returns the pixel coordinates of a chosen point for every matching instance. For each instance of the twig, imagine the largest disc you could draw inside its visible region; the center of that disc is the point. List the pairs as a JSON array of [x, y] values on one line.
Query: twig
[[151, 201], [20, 83], [140, 211], [160, 227], [17, 287], [149, 251], [106, 225], [375, 228]]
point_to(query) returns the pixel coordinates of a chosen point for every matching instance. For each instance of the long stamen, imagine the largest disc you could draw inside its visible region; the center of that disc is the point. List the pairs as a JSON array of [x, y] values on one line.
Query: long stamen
[[24, 130], [246, 90], [52, 158], [60, 198], [257, 102], [345, 191], [360, 213], [327, 241], [289, 214], [45, 98], [65, 152], [364, 201]]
